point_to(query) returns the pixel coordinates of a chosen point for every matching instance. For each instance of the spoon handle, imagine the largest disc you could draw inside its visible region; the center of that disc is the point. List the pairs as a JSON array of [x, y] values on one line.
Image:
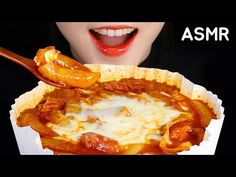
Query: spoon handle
[[25, 62]]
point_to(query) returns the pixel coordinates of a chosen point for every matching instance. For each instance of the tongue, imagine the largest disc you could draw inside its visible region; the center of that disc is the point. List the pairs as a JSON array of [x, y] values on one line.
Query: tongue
[[112, 41]]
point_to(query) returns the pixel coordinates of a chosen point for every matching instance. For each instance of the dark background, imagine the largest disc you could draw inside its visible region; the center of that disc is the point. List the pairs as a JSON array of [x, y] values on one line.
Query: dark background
[[208, 63]]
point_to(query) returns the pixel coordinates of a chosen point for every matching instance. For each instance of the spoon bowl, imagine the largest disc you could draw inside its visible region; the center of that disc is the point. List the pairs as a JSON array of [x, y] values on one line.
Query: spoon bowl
[[30, 65]]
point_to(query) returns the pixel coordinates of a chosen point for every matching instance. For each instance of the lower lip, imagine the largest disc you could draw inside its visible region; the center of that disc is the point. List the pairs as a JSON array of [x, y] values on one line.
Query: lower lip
[[113, 51]]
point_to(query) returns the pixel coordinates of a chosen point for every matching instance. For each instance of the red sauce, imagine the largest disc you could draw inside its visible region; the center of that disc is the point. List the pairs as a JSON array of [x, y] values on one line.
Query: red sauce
[[152, 148], [191, 130]]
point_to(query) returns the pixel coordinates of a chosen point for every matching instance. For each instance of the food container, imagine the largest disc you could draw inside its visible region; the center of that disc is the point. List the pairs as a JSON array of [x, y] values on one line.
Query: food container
[[29, 142]]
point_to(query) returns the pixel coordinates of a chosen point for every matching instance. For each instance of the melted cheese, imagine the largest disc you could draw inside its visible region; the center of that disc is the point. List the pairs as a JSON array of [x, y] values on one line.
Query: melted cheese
[[145, 116]]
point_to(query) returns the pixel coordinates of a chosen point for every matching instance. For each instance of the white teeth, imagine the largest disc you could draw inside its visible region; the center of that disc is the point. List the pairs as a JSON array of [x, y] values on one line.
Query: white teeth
[[129, 30], [118, 32], [111, 32], [104, 32], [125, 31]]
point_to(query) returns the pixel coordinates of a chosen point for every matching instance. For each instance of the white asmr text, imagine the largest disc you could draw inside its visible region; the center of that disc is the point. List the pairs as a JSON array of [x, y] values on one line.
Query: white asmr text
[[207, 34]]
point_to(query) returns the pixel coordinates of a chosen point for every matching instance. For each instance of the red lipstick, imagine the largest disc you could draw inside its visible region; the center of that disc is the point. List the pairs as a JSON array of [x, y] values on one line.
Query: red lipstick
[[113, 41]]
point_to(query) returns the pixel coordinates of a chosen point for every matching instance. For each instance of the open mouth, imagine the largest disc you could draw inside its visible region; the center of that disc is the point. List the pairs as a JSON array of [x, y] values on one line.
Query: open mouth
[[113, 41]]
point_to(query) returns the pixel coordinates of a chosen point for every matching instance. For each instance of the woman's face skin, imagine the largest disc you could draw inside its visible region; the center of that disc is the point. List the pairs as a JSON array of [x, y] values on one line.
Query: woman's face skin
[[110, 43]]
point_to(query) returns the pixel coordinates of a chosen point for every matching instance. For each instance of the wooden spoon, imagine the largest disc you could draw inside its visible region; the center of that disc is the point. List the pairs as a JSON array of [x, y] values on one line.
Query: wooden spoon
[[30, 65]]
